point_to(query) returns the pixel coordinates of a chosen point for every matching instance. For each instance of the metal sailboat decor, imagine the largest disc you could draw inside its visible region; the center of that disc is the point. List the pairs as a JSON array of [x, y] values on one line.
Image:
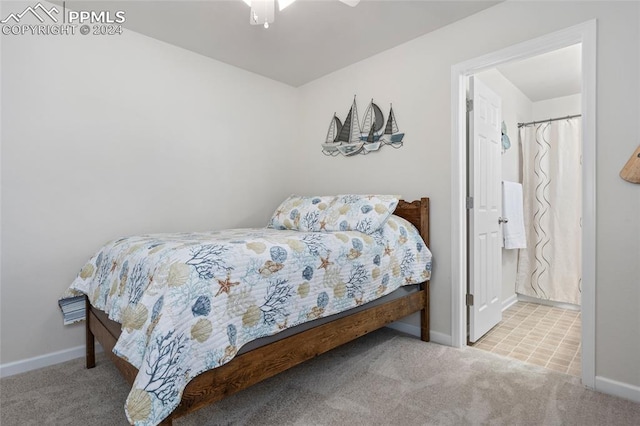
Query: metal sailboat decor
[[373, 123], [331, 145], [391, 134], [349, 138]]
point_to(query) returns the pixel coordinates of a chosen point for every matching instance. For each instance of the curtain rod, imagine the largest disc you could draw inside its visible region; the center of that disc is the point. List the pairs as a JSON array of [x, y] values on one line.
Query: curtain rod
[[547, 120]]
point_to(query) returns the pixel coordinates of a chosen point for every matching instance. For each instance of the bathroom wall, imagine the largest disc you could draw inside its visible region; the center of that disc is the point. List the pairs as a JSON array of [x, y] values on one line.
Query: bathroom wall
[[557, 107]]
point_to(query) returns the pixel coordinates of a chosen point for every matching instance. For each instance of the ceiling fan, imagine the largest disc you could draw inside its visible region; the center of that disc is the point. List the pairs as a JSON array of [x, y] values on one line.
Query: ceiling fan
[[263, 11]]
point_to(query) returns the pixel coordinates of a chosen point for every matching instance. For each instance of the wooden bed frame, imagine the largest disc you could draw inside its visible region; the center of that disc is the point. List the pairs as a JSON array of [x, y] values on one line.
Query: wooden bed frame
[[266, 361]]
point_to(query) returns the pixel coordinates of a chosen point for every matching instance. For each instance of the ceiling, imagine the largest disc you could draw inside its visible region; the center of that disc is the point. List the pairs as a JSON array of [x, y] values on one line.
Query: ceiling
[[309, 39], [548, 76]]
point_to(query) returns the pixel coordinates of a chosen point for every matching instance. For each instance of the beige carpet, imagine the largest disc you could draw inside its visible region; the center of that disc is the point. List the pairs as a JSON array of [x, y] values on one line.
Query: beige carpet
[[385, 378]]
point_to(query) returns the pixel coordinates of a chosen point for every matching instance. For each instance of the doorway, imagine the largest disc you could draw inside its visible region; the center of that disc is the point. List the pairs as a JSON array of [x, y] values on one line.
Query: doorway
[[533, 313], [586, 35]]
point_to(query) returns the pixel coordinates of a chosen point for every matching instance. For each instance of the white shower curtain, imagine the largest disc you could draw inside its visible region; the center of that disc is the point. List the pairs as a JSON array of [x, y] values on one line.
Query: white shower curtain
[[550, 267]]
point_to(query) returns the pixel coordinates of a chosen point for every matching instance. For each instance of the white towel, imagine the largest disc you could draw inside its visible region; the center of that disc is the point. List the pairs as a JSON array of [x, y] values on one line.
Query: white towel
[[513, 232]]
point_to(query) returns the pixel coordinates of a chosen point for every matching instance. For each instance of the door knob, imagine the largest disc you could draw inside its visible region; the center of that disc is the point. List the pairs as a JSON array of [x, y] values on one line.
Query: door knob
[[502, 220]]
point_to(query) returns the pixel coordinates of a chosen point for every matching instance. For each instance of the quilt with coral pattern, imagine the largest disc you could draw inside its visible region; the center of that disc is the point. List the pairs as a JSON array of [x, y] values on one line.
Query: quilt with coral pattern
[[188, 302]]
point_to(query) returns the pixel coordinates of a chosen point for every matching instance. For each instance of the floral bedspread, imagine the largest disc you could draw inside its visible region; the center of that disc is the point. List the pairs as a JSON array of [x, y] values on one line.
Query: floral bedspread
[[187, 302]]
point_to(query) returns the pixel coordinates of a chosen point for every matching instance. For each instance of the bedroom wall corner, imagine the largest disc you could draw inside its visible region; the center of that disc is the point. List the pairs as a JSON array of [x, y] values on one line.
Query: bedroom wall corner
[[110, 136]]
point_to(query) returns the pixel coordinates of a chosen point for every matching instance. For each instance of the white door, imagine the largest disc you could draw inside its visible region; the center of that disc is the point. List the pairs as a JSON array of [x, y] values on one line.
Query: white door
[[485, 236]]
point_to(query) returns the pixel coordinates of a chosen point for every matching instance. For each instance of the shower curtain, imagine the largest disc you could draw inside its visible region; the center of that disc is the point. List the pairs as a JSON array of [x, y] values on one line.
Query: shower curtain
[[550, 267]]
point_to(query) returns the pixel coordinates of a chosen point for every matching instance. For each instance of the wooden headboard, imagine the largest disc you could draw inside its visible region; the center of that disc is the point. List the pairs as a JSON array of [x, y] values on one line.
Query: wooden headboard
[[416, 212]]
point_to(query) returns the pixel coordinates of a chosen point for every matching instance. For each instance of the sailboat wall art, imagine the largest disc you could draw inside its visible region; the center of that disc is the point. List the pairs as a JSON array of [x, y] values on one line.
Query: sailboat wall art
[[349, 138]]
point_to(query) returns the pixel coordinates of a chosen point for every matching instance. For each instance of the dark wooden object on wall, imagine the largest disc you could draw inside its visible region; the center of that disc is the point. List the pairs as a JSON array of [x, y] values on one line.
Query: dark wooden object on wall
[[266, 361]]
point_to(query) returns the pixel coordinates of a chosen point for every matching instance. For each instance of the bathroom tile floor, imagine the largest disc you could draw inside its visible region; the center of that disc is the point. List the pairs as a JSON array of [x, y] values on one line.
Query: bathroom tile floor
[[538, 334]]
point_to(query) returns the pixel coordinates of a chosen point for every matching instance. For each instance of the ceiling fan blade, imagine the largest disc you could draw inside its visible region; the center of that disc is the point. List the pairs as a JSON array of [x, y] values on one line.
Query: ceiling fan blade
[[352, 3]]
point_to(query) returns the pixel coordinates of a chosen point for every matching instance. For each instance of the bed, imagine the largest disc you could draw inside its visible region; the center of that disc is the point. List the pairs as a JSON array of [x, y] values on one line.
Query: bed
[[267, 356]]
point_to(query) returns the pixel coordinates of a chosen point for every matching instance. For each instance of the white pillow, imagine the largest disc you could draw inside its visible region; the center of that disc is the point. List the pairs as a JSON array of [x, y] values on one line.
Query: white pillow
[[347, 212]]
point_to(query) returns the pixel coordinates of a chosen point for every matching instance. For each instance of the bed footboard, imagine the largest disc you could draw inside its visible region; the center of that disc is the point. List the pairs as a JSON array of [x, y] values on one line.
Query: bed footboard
[[266, 361], [424, 314], [106, 331]]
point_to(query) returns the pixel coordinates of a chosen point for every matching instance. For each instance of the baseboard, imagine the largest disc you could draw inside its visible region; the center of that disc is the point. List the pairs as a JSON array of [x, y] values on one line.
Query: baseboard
[[509, 302], [22, 366], [561, 305], [414, 330], [613, 387], [441, 338]]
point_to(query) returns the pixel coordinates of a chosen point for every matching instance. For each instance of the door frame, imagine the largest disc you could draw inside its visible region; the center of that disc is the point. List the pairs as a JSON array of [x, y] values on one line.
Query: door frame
[[586, 34]]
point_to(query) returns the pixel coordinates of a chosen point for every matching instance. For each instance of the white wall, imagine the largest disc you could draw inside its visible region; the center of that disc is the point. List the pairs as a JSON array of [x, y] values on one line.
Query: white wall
[[109, 136], [416, 78], [557, 107], [516, 108]]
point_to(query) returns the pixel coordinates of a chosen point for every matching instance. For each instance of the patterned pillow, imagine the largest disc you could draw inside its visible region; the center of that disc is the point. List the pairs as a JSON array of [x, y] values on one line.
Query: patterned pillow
[[301, 213], [364, 213], [348, 212]]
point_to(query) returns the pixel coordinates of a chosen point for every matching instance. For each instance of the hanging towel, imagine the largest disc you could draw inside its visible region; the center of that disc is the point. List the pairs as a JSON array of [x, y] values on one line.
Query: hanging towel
[[513, 231]]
